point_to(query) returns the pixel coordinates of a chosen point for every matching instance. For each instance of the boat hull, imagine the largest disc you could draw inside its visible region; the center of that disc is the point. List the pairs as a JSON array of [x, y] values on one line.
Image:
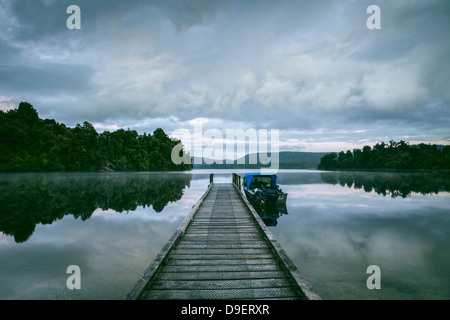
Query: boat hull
[[267, 201]]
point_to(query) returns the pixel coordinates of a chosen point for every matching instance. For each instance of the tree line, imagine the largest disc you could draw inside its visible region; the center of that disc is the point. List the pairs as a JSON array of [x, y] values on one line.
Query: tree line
[[394, 155], [28, 143]]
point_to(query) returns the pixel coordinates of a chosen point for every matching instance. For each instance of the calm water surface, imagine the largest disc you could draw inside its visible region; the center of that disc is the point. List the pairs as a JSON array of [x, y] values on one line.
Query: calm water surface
[[112, 225], [341, 223]]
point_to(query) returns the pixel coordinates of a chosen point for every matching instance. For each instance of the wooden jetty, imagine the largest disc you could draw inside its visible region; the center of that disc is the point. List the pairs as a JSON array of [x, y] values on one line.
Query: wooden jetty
[[222, 250]]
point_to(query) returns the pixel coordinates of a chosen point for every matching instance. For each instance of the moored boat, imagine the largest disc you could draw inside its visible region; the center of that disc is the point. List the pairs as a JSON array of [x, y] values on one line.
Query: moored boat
[[264, 194]]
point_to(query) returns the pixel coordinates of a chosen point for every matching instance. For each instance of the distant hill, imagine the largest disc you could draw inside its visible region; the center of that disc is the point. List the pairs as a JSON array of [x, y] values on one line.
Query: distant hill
[[287, 160]]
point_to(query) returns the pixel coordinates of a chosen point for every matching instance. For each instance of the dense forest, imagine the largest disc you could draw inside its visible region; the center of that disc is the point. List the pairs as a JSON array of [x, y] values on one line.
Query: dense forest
[[395, 155], [28, 143]]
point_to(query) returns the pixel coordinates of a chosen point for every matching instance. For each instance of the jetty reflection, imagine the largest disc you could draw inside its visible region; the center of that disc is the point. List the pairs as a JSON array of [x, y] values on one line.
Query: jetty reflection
[[32, 199]]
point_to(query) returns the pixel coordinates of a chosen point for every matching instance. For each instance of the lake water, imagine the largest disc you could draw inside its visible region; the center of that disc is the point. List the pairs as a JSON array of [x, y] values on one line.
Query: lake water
[[112, 225]]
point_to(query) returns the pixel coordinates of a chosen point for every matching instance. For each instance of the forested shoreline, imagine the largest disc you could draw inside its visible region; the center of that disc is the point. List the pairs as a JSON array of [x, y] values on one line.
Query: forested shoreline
[[394, 155], [28, 143]]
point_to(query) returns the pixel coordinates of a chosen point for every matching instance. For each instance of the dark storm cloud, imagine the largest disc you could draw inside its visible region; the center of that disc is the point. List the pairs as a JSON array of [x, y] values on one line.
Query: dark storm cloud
[[43, 17], [45, 80], [38, 18], [309, 68]]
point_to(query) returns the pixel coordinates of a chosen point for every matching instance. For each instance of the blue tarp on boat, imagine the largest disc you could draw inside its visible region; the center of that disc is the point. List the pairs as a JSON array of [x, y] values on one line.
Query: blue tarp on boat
[[249, 178]]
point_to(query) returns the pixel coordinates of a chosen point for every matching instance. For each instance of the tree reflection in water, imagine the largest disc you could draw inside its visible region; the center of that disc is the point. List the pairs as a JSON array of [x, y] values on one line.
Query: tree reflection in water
[[395, 184], [28, 200]]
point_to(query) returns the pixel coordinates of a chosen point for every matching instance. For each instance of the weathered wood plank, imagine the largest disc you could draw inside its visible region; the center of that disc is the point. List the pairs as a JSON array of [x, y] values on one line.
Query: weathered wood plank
[[237, 222], [221, 252], [224, 268], [221, 284], [211, 245], [222, 262], [214, 294], [216, 257], [223, 231], [231, 275], [222, 237], [224, 225]]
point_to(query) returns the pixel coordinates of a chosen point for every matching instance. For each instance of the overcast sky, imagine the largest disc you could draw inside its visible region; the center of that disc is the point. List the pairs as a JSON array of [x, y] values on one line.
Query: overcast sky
[[311, 69]]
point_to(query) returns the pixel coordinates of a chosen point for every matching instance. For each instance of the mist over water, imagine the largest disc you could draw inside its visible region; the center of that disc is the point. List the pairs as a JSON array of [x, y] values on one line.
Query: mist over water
[[112, 225]]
